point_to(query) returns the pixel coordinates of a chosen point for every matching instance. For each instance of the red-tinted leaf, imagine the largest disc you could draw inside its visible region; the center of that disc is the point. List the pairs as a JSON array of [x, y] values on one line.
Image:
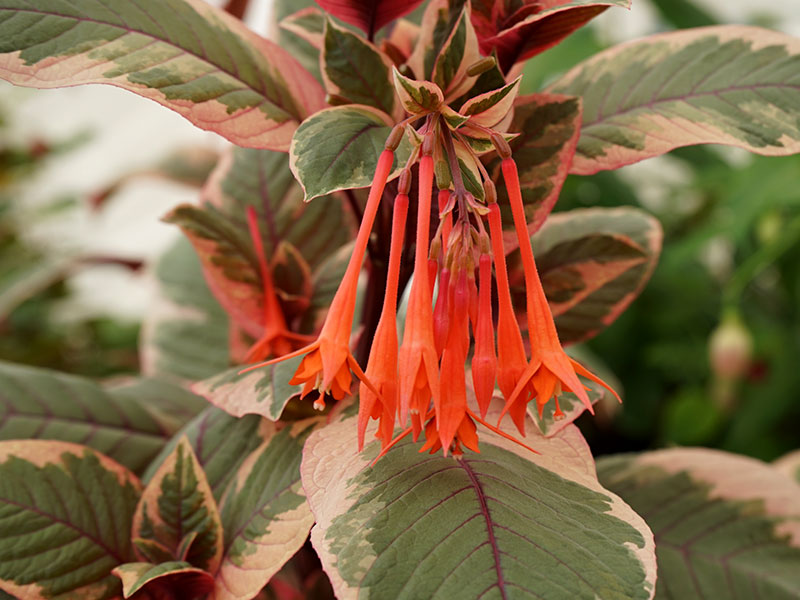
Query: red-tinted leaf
[[523, 31], [368, 15]]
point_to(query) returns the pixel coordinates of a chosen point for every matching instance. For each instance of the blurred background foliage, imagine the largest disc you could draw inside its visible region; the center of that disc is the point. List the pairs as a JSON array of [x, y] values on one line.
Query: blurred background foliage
[[730, 271]]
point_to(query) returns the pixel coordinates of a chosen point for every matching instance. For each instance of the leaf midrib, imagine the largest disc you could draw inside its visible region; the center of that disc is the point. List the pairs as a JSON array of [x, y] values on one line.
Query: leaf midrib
[[203, 58]]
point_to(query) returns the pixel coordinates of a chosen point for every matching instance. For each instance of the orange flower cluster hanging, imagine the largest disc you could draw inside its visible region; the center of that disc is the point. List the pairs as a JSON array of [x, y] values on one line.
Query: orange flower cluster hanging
[[423, 378]]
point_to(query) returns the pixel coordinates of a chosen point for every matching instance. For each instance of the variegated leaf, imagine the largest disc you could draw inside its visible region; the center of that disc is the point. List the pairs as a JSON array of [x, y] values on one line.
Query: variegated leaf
[[731, 85], [185, 331], [300, 45], [65, 517], [593, 263], [178, 512], [502, 523], [184, 54], [174, 579], [308, 24], [519, 32], [459, 51], [355, 69], [417, 97], [725, 526], [548, 127], [264, 391], [338, 149], [489, 108], [264, 513], [130, 424], [220, 443], [368, 15]]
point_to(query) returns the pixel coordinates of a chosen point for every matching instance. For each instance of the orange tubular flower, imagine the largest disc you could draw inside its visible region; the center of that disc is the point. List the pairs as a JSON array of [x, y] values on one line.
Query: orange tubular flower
[[511, 359], [417, 361], [550, 369], [382, 363], [453, 406], [328, 360], [484, 360], [276, 340]]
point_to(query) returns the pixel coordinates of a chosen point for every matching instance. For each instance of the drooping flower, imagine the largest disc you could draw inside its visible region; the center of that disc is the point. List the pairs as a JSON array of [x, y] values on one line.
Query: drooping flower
[[328, 362], [276, 340], [381, 370]]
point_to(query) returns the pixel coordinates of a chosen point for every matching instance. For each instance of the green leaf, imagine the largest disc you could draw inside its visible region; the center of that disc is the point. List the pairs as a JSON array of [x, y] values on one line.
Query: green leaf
[[65, 517], [185, 333], [491, 107], [338, 149], [725, 526], [729, 85], [264, 391], [355, 69], [178, 504], [184, 54], [504, 523], [265, 513], [549, 126], [174, 579], [593, 263], [220, 443], [130, 424]]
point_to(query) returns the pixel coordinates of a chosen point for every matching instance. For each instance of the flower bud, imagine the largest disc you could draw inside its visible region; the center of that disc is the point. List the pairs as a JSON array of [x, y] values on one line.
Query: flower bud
[[730, 349]]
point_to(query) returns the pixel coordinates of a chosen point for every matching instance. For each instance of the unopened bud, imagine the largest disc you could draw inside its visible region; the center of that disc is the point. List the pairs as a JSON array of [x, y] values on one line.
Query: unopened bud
[[395, 137], [436, 248], [481, 66], [489, 191], [730, 349], [485, 245], [500, 143], [427, 145], [404, 183], [336, 100], [443, 178]]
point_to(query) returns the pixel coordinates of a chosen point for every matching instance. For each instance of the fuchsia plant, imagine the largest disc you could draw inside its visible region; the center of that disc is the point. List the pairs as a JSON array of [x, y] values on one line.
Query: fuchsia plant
[[413, 152]]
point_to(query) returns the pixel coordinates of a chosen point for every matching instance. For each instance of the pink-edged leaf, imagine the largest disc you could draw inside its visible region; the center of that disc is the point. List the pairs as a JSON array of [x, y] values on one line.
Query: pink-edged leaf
[[725, 526], [355, 69], [65, 517], [489, 108], [726, 84], [548, 127], [338, 149], [297, 237], [503, 522], [517, 32], [174, 579], [458, 52], [593, 263], [417, 97], [264, 512], [264, 391], [368, 15], [178, 511], [185, 54], [308, 24]]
